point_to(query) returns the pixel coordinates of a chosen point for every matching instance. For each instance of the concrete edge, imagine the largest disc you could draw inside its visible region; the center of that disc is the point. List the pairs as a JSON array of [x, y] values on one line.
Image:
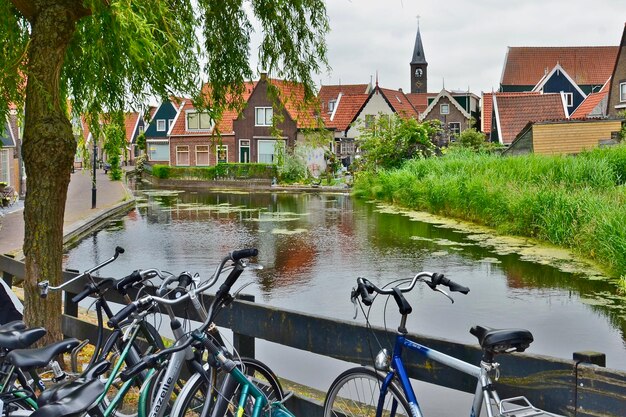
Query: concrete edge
[[79, 230]]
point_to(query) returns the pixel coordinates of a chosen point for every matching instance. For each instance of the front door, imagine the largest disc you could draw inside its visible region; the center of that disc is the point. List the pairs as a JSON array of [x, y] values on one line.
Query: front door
[[244, 151]]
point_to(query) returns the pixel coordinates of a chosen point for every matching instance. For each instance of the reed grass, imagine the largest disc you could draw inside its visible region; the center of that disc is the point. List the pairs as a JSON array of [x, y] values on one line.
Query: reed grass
[[577, 202]]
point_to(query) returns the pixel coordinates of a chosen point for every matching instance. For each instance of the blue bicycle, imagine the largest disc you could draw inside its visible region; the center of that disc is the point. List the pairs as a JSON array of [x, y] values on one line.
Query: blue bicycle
[[385, 390]]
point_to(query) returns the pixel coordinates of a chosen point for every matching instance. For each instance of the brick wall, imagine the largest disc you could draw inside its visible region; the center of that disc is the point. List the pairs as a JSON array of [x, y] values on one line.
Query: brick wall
[[193, 142]]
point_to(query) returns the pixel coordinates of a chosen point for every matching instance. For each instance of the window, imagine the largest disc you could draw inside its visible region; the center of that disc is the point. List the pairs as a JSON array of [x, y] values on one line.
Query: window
[[4, 166], [369, 121], [622, 91], [263, 116], [455, 128], [346, 148], [170, 122], [199, 121], [444, 108], [159, 151], [331, 105], [182, 155], [222, 153], [569, 98], [141, 129], [269, 151], [160, 125], [202, 155]]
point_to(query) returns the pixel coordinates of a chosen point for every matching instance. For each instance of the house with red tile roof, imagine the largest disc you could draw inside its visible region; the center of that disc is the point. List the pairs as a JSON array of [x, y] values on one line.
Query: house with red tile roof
[[339, 107], [559, 81], [134, 125], [196, 139], [487, 108], [587, 66], [276, 116], [617, 89], [456, 111], [511, 113]]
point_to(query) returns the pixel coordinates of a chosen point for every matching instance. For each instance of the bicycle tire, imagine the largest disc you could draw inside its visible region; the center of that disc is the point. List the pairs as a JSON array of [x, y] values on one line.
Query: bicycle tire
[[192, 398], [356, 393]]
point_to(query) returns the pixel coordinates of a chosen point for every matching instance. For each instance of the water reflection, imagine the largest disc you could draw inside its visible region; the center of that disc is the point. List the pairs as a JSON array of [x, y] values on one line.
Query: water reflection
[[313, 247]]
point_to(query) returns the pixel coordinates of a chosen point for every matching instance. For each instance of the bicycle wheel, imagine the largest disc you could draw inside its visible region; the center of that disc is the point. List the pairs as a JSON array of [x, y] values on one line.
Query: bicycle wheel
[[356, 393], [193, 398]]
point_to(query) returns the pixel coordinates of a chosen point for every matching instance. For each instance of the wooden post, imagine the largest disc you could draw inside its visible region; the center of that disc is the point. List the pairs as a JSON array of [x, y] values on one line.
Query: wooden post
[[244, 345]]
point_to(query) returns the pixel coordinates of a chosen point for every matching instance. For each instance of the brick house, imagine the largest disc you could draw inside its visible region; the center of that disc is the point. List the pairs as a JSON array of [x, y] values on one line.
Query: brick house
[[266, 124], [455, 110]]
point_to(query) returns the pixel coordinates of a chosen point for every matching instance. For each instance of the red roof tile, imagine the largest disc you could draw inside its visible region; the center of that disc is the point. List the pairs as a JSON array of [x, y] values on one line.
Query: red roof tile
[[347, 109], [586, 107], [292, 96], [130, 122], [586, 65], [399, 103], [420, 100], [515, 111], [331, 92], [487, 107]]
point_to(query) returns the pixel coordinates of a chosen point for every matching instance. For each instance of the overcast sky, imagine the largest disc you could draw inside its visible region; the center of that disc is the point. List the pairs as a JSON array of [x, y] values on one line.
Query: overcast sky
[[464, 41]]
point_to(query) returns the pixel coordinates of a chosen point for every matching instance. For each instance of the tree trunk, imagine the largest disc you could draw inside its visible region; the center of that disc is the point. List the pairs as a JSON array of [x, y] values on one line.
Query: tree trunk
[[49, 148]]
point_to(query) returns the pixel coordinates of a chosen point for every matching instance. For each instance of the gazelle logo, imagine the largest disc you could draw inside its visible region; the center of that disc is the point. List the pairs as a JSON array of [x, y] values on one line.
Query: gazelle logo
[[164, 390]]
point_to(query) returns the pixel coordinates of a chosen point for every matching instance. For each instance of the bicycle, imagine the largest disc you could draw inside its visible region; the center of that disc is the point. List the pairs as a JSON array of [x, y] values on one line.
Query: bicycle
[[385, 390], [202, 393]]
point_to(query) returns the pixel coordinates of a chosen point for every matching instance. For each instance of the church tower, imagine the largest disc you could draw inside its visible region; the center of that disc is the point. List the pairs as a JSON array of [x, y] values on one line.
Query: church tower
[[419, 66]]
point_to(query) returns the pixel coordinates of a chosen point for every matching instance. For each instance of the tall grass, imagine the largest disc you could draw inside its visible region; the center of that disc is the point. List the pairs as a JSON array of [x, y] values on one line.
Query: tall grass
[[578, 202]]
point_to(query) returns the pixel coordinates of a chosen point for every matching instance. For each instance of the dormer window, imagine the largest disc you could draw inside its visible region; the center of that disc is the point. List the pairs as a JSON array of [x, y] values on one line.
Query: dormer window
[[331, 106], [622, 92], [199, 121], [444, 108]]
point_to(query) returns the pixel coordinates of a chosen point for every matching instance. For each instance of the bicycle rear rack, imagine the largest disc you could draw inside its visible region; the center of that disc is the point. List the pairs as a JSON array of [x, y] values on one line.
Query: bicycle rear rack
[[521, 407]]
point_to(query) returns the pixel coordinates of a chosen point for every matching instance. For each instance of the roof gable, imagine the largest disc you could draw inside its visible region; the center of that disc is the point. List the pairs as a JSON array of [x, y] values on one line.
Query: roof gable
[[131, 121], [487, 107], [444, 93], [586, 65], [592, 106], [513, 112], [400, 104], [557, 71]]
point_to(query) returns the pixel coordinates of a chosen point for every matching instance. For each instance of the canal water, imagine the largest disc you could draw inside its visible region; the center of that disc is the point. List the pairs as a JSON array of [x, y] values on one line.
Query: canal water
[[313, 246]]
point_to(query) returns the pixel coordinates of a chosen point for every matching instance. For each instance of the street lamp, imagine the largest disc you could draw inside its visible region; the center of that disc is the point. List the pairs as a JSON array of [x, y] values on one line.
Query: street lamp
[[93, 183]]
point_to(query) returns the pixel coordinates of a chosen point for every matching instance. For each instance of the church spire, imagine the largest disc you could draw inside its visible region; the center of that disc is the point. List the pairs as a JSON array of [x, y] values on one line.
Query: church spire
[[418, 49]]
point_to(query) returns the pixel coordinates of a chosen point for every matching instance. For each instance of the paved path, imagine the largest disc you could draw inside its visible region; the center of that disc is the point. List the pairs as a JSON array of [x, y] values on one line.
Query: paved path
[[77, 208]]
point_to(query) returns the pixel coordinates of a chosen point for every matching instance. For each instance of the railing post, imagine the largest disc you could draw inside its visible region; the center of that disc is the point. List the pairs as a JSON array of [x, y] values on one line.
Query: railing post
[[70, 308], [8, 278], [244, 344]]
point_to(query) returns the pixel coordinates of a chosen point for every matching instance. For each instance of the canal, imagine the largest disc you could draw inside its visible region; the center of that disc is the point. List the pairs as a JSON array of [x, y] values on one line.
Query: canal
[[313, 246]]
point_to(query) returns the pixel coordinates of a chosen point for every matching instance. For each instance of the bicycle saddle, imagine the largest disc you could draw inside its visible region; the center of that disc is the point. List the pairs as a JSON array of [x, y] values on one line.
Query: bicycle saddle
[[20, 339], [34, 358], [81, 389], [502, 340], [13, 325], [72, 399]]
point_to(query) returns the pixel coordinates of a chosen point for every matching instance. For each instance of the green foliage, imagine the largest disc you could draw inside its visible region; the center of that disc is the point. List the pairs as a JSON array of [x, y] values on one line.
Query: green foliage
[[575, 202], [234, 171], [114, 141], [471, 138], [293, 169], [141, 142], [392, 140]]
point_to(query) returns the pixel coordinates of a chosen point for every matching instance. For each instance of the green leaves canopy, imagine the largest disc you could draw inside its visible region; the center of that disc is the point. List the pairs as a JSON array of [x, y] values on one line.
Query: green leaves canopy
[[130, 51]]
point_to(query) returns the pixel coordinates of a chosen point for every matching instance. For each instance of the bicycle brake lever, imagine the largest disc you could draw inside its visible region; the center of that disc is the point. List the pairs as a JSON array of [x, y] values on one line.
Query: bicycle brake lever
[[257, 267], [444, 293]]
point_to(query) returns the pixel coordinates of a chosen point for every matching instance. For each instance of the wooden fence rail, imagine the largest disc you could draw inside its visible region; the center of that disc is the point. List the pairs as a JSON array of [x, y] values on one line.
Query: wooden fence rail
[[567, 387]]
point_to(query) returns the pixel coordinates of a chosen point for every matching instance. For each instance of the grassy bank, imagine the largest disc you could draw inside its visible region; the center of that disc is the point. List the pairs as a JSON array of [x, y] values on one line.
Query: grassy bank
[[575, 202]]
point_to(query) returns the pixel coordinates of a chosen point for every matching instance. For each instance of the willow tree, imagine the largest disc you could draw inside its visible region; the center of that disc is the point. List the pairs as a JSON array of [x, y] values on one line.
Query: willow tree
[[104, 54]]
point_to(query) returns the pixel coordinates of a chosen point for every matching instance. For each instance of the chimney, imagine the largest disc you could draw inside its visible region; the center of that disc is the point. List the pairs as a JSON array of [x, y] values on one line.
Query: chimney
[[400, 89], [263, 76]]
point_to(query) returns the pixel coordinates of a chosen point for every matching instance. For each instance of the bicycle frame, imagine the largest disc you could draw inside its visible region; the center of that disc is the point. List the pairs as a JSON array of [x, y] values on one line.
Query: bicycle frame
[[398, 369]]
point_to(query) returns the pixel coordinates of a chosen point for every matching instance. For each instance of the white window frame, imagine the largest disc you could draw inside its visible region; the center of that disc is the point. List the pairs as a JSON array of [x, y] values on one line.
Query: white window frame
[[160, 127], [218, 148], [569, 98], [170, 123], [274, 141], [245, 143], [452, 131], [208, 155], [182, 151], [199, 128], [622, 92], [264, 110], [347, 148], [446, 106], [141, 129], [331, 105], [5, 160]]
